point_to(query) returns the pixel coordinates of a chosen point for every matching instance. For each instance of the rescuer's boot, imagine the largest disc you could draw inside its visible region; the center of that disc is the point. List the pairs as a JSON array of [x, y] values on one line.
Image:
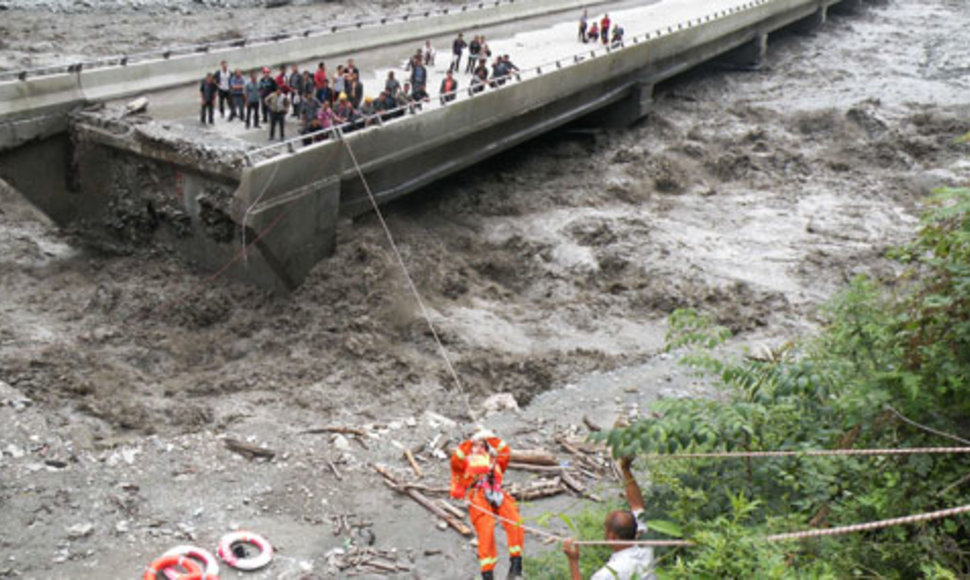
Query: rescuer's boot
[[488, 575], [515, 567]]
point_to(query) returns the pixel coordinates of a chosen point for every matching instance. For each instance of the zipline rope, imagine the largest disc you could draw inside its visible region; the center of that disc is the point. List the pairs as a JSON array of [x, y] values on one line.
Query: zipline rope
[[407, 276], [807, 453], [806, 534]]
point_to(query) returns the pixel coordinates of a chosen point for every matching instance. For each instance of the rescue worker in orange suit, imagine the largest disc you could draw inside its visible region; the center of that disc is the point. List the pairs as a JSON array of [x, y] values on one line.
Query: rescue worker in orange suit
[[477, 468]]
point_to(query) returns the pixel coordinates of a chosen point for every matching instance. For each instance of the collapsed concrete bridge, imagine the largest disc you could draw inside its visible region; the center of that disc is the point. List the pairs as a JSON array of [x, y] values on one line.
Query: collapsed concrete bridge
[[270, 214]]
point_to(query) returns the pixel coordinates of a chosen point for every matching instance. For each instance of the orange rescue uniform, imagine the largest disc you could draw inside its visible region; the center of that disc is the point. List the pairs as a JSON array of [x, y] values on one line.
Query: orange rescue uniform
[[476, 476]]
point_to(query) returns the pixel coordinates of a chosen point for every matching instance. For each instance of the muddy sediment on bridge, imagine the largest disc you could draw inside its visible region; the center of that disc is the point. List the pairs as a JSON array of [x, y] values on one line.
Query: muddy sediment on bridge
[[753, 195]]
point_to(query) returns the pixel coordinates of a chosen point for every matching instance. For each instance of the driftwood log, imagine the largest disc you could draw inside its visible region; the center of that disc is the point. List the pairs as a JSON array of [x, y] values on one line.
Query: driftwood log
[[534, 457], [424, 502]]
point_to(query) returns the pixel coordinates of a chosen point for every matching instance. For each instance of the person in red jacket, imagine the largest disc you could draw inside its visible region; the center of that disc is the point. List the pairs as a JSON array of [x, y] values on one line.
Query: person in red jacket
[[477, 470], [605, 29]]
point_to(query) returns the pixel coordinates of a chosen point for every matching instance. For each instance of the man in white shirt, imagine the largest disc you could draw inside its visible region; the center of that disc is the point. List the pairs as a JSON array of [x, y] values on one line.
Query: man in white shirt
[[628, 561]]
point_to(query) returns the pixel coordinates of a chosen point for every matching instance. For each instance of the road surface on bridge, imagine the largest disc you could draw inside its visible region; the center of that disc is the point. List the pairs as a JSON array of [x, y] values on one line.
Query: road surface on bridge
[[530, 42]]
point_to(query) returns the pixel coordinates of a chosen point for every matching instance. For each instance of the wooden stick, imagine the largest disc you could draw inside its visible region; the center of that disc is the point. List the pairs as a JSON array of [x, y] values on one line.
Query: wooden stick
[[336, 473], [414, 464], [546, 488], [534, 457], [334, 429], [249, 451], [417, 496], [425, 488], [451, 509], [574, 485], [590, 425]]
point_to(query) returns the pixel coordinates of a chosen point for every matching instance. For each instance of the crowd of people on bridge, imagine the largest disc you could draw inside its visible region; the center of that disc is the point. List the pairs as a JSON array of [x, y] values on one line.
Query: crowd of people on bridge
[[320, 100], [600, 32]]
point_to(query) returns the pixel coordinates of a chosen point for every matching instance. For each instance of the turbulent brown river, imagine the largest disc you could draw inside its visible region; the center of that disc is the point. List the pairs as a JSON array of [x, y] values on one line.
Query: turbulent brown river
[[550, 271]]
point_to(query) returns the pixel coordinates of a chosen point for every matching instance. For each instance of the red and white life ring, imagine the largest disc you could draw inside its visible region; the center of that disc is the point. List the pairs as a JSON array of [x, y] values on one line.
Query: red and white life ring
[[256, 562], [172, 561], [202, 555]]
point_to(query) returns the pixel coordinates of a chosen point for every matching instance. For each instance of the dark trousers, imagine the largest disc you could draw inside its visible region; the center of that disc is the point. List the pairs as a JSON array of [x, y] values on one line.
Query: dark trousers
[[274, 120], [236, 107], [252, 114], [265, 109], [472, 61], [207, 107], [223, 97]]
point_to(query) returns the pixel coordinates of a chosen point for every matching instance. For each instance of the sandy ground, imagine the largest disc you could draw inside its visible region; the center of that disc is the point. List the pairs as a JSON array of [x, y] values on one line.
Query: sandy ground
[[550, 271]]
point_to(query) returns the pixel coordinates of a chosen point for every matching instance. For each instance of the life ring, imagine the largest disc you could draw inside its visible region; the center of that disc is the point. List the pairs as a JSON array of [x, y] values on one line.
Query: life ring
[[252, 563], [172, 561], [202, 555]]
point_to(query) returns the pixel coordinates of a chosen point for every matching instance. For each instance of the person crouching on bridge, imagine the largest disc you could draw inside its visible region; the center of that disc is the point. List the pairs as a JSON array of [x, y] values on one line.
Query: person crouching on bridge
[[278, 103], [477, 467]]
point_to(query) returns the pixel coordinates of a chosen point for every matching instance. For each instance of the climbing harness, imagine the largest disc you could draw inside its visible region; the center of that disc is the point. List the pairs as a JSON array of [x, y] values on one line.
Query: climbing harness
[[230, 542]]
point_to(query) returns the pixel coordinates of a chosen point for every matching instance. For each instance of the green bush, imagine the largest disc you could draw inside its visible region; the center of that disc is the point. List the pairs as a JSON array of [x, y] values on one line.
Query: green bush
[[883, 349]]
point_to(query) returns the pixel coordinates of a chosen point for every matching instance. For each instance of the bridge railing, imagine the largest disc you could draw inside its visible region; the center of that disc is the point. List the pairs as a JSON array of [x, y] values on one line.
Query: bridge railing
[[400, 113], [178, 50]]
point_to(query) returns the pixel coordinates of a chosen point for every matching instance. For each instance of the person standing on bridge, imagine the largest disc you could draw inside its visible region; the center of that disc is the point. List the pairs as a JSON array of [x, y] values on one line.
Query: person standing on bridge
[[222, 81], [237, 92], [325, 93], [267, 86], [419, 79], [391, 85], [355, 90], [605, 29], [351, 67], [278, 103], [295, 82], [309, 109], [628, 560], [457, 47], [207, 91], [338, 85], [478, 466], [428, 53], [583, 24], [474, 48], [252, 100], [448, 88], [319, 76]]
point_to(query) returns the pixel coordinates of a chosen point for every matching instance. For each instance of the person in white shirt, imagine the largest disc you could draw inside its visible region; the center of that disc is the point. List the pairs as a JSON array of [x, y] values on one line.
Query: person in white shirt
[[628, 561], [428, 53]]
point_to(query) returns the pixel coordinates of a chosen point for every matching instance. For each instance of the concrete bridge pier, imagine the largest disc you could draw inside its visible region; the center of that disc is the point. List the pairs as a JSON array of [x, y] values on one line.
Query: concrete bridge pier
[[750, 55], [635, 106], [813, 22], [283, 238]]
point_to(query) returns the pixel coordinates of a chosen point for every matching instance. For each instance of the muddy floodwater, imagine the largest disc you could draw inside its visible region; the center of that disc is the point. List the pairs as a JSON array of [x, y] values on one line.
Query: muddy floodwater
[[549, 270]]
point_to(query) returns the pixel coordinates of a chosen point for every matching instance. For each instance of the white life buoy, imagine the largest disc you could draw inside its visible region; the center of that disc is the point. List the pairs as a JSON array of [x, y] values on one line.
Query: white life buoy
[[202, 555], [252, 563]]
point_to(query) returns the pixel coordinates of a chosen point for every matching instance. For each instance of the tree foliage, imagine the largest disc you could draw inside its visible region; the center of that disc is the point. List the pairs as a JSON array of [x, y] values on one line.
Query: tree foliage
[[883, 351]]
